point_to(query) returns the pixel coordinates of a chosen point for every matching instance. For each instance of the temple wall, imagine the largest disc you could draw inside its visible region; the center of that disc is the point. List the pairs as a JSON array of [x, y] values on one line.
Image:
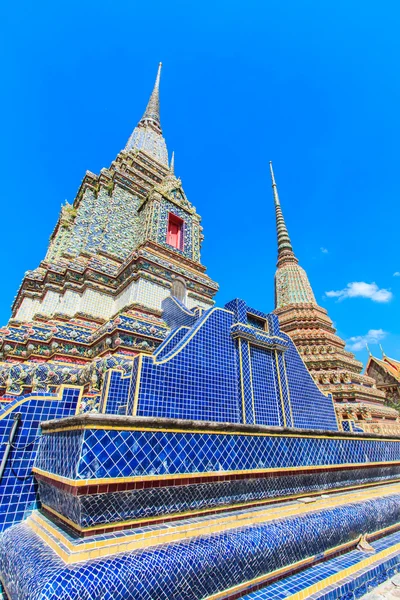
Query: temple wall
[[232, 465], [51, 303], [150, 294], [93, 302], [28, 308], [105, 221], [196, 567], [98, 304], [226, 370], [193, 302], [18, 490]]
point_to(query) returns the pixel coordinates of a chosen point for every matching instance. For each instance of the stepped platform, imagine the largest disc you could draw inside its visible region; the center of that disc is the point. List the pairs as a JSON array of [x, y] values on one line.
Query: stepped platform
[[298, 549], [346, 576], [226, 475]]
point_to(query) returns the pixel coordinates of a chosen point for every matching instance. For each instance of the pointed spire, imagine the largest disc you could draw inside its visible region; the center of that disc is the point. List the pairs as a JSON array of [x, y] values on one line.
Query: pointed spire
[[147, 135], [369, 351], [382, 350], [285, 250], [172, 164], [291, 281], [152, 112]]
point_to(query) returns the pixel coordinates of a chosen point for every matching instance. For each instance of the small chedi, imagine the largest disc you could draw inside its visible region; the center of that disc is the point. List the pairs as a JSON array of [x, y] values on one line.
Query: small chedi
[[156, 446], [358, 400]]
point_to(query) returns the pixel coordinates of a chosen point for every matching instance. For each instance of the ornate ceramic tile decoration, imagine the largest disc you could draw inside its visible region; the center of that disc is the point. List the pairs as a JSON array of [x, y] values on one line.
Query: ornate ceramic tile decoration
[[155, 446], [386, 372], [335, 370]]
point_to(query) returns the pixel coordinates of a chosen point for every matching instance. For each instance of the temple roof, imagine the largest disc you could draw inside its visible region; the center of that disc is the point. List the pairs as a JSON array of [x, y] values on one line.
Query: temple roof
[[391, 366]]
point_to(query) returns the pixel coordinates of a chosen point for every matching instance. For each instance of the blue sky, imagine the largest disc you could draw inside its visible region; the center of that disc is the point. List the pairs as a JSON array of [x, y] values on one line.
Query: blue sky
[[313, 86]]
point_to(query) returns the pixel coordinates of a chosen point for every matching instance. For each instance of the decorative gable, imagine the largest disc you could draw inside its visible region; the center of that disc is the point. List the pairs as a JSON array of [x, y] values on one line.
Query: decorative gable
[[167, 203]]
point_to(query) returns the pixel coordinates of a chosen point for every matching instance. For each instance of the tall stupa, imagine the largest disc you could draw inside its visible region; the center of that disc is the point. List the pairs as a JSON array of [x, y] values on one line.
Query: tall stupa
[[334, 369]]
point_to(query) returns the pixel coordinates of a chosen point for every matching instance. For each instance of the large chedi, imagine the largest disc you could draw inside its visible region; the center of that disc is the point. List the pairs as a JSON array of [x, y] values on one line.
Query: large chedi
[[129, 240], [335, 370]]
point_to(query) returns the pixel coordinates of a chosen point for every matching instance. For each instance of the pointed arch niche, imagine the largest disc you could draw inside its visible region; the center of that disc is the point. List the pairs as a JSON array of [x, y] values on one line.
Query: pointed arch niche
[[178, 290]]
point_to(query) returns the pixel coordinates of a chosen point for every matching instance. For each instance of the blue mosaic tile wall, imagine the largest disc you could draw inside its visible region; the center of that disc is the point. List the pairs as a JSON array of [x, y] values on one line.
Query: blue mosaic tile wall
[[131, 390], [223, 369], [198, 379], [18, 489], [115, 453], [170, 343], [176, 314], [187, 570], [87, 510], [114, 392], [267, 405], [349, 588]]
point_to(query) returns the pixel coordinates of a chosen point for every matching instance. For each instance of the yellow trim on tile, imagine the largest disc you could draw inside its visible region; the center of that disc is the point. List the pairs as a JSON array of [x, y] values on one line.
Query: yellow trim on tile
[[280, 388], [283, 434], [169, 533], [58, 397], [137, 388], [169, 338], [352, 570], [221, 509], [167, 477], [241, 381], [288, 390], [251, 384], [107, 389], [108, 382], [195, 329], [185, 310]]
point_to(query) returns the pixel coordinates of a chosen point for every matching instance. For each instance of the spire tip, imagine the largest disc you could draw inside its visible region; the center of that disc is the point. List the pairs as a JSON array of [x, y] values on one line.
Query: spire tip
[[272, 174]]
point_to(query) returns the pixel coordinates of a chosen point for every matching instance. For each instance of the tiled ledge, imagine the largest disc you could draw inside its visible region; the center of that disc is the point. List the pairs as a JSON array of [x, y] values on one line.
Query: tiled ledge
[[349, 575], [225, 562], [104, 421], [73, 550]]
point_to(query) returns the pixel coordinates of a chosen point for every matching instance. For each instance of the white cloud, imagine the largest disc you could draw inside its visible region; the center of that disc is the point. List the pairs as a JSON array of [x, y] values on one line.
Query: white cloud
[[360, 289], [325, 251], [358, 342], [397, 274]]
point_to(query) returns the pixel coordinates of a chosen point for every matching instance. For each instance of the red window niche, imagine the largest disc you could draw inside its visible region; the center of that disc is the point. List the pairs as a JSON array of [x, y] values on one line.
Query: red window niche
[[175, 231]]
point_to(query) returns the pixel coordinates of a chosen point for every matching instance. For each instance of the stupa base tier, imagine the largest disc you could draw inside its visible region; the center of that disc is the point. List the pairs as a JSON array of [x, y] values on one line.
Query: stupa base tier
[[219, 557], [107, 472], [136, 504]]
